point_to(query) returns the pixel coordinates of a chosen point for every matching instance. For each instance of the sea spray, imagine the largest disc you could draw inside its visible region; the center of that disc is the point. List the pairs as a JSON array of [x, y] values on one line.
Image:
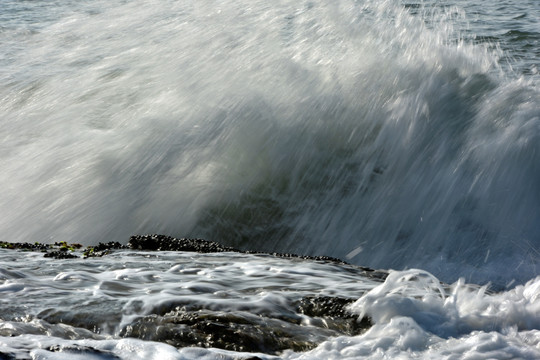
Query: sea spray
[[358, 128]]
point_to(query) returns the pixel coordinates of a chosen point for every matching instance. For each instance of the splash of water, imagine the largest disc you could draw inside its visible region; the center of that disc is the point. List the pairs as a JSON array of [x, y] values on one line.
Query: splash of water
[[340, 129]]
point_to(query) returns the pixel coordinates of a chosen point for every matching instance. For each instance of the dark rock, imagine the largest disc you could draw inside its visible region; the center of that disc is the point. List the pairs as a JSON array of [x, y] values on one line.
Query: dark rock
[[312, 258], [25, 246], [110, 246], [8, 356], [83, 350], [60, 254], [333, 310], [325, 306], [242, 332], [102, 249], [168, 243], [247, 332]]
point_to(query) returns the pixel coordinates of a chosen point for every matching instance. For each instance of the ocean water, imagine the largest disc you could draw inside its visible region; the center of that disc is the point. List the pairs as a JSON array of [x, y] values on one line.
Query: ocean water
[[116, 307], [396, 134], [392, 134]]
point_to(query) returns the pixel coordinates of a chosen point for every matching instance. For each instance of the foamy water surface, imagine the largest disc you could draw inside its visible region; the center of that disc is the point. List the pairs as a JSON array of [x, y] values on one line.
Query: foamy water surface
[[78, 308], [394, 134]]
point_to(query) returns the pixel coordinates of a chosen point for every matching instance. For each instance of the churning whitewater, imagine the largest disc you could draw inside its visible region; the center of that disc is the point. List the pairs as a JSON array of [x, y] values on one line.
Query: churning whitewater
[[378, 131], [392, 134]]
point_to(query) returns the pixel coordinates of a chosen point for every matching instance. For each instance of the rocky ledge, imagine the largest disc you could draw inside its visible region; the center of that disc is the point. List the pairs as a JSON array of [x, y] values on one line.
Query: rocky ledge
[[247, 332], [63, 250], [187, 325]]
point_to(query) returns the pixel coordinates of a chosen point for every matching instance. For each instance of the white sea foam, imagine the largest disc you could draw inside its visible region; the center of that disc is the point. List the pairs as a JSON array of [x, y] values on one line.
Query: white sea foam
[[420, 296], [415, 317], [414, 314]]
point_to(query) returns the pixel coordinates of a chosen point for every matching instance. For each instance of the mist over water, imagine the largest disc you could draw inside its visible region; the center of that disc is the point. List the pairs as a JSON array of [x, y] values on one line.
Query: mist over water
[[373, 131]]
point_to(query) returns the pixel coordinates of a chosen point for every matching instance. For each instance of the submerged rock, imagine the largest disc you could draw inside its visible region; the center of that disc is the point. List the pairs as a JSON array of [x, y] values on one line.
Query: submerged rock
[[299, 323], [317, 318], [60, 254], [333, 311], [85, 351]]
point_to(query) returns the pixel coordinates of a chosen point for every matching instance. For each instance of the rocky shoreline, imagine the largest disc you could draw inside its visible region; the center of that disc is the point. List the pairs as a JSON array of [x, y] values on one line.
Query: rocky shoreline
[[63, 250], [187, 325]]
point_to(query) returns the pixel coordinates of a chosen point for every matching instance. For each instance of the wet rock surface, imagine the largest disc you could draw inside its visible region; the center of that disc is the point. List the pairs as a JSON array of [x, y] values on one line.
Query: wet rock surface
[[60, 254], [76, 351], [168, 243], [59, 250], [304, 322], [317, 319], [157, 242], [25, 246], [334, 313], [86, 351], [103, 249]]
